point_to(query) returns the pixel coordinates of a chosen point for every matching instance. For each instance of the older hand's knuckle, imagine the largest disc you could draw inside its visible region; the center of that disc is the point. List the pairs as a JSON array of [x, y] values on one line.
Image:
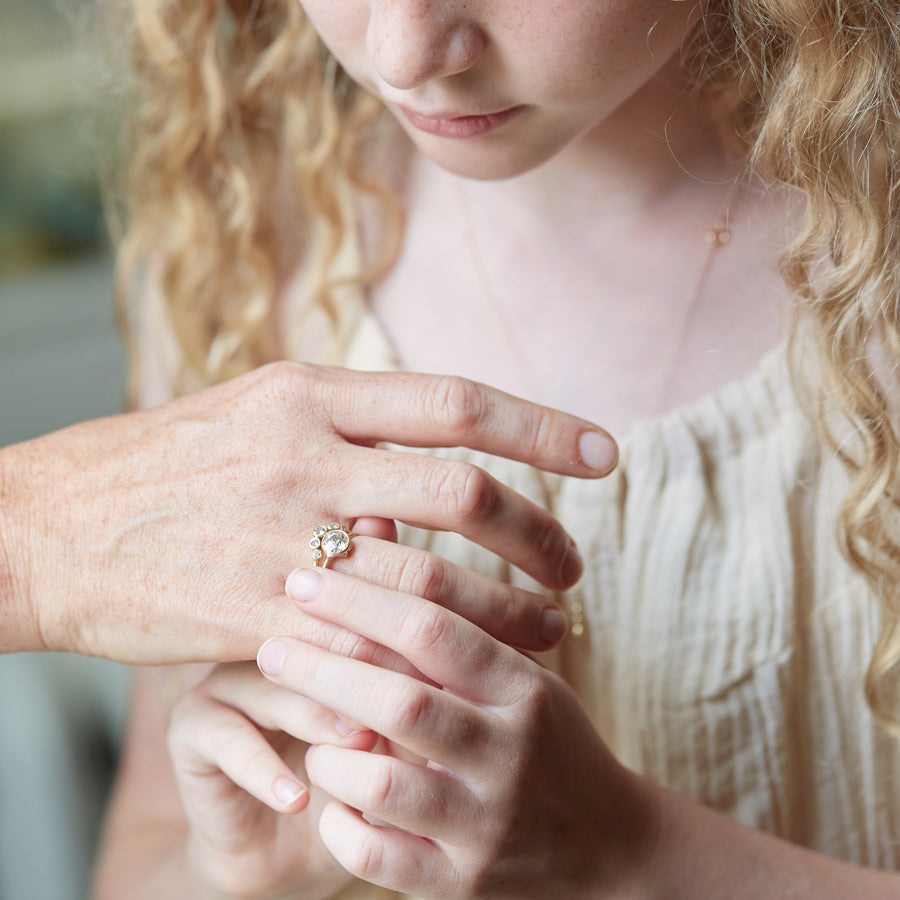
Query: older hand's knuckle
[[279, 381], [290, 386], [550, 540], [466, 492], [457, 403], [509, 610], [535, 698]]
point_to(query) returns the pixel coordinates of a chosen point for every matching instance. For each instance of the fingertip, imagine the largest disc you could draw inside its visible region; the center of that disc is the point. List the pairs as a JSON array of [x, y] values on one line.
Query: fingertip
[[553, 625], [598, 451], [271, 656], [290, 794], [303, 584]]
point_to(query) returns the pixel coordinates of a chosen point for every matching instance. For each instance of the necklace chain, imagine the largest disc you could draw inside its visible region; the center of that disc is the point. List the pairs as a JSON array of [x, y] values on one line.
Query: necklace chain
[[717, 236]]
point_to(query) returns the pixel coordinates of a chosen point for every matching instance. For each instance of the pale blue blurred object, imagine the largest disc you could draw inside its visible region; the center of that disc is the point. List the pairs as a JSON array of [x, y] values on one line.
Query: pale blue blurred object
[[60, 715], [61, 362]]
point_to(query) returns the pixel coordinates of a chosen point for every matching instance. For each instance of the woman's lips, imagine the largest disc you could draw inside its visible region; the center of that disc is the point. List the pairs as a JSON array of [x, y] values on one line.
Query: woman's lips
[[460, 127]]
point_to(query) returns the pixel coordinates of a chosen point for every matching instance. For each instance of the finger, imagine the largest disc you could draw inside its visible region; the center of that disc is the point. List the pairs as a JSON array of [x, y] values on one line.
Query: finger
[[218, 739], [515, 616], [430, 722], [443, 646], [386, 856], [372, 526], [408, 796], [445, 495], [448, 411], [272, 708]]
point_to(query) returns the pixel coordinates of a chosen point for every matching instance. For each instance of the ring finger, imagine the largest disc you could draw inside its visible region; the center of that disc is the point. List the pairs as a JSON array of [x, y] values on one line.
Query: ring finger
[[445, 495], [519, 618]]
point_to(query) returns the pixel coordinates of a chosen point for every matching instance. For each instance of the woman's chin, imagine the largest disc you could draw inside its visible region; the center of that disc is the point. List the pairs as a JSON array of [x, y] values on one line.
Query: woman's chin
[[492, 157]]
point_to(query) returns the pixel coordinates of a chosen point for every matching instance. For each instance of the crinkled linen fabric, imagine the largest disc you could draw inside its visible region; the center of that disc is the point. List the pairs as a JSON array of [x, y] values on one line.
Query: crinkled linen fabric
[[726, 638]]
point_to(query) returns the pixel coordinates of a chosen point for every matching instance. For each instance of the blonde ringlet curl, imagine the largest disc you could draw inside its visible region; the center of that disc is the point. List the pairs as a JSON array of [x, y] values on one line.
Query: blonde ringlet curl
[[814, 94], [242, 135], [246, 134]]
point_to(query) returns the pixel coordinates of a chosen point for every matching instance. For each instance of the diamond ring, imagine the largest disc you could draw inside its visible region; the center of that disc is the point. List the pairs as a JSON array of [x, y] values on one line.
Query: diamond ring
[[328, 542]]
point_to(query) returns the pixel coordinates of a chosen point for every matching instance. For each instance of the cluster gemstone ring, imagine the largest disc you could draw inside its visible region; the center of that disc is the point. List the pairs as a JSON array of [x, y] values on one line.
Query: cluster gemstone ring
[[329, 542]]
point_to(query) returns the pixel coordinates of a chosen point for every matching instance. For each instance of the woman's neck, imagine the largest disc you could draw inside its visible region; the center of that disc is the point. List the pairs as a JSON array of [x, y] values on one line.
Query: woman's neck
[[589, 283]]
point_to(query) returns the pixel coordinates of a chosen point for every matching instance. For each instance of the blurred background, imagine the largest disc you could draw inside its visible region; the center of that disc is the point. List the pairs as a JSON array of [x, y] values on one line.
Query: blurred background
[[60, 362]]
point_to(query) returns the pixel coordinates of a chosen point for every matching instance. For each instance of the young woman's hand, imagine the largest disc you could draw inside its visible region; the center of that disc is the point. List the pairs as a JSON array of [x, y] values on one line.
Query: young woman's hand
[[166, 535], [237, 743], [519, 797]]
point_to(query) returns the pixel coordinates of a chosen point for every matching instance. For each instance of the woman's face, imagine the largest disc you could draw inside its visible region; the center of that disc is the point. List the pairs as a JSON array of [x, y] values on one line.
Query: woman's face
[[493, 88]]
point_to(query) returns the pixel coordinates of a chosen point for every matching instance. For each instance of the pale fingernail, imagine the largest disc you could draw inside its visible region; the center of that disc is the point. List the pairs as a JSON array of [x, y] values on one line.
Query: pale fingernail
[[287, 791], [573, 565], [271, 656], [303, 584], [343, 729], [553, 626], [598, 451]]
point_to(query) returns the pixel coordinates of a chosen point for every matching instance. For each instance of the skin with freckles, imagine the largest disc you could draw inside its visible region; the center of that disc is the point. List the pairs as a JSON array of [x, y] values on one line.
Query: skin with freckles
[[563, 67], [415, 746]]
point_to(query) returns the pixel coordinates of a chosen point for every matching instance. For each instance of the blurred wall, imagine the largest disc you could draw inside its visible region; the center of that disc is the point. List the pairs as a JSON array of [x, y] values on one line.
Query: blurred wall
[[60, 362]]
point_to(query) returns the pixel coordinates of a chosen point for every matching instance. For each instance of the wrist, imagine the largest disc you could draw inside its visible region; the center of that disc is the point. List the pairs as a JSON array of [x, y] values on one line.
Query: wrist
[[19, 619], [217, 874], [640, 836]]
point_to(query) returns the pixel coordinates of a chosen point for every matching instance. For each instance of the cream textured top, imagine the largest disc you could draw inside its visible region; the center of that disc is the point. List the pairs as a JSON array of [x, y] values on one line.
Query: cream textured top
[[726, 638]]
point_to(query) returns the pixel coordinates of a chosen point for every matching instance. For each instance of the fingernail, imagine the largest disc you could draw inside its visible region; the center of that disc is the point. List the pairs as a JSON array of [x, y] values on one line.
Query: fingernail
[[573, 565], [343, 729], [287, 791], [553, 626], [303, 584], [271, 656], [598, 451]]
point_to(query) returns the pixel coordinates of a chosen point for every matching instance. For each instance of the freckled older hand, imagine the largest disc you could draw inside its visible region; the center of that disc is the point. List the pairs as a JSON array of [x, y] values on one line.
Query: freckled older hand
[[166, 535]]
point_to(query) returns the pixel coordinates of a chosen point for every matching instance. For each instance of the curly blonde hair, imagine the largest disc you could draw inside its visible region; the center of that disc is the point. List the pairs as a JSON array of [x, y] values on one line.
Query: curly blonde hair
[[814, 93], [243, 135], [238, 99]]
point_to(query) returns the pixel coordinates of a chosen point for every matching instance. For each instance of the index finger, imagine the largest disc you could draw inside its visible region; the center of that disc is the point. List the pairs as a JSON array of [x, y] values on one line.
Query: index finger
[[450, 411]]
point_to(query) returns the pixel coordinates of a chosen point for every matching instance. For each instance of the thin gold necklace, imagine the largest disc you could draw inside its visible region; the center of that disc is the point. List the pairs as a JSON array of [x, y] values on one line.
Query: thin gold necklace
[[717, 236]]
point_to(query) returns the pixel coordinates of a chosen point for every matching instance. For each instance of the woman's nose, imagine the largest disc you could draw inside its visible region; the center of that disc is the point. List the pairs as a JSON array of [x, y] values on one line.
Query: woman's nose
[[413, 41]]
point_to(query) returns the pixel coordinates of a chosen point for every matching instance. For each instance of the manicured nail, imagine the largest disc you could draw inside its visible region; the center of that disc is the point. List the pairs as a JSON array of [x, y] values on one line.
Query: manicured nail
[[271, 656], [553, 626], [287, 791], [573, 565], [303, 584], [598, 451]]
